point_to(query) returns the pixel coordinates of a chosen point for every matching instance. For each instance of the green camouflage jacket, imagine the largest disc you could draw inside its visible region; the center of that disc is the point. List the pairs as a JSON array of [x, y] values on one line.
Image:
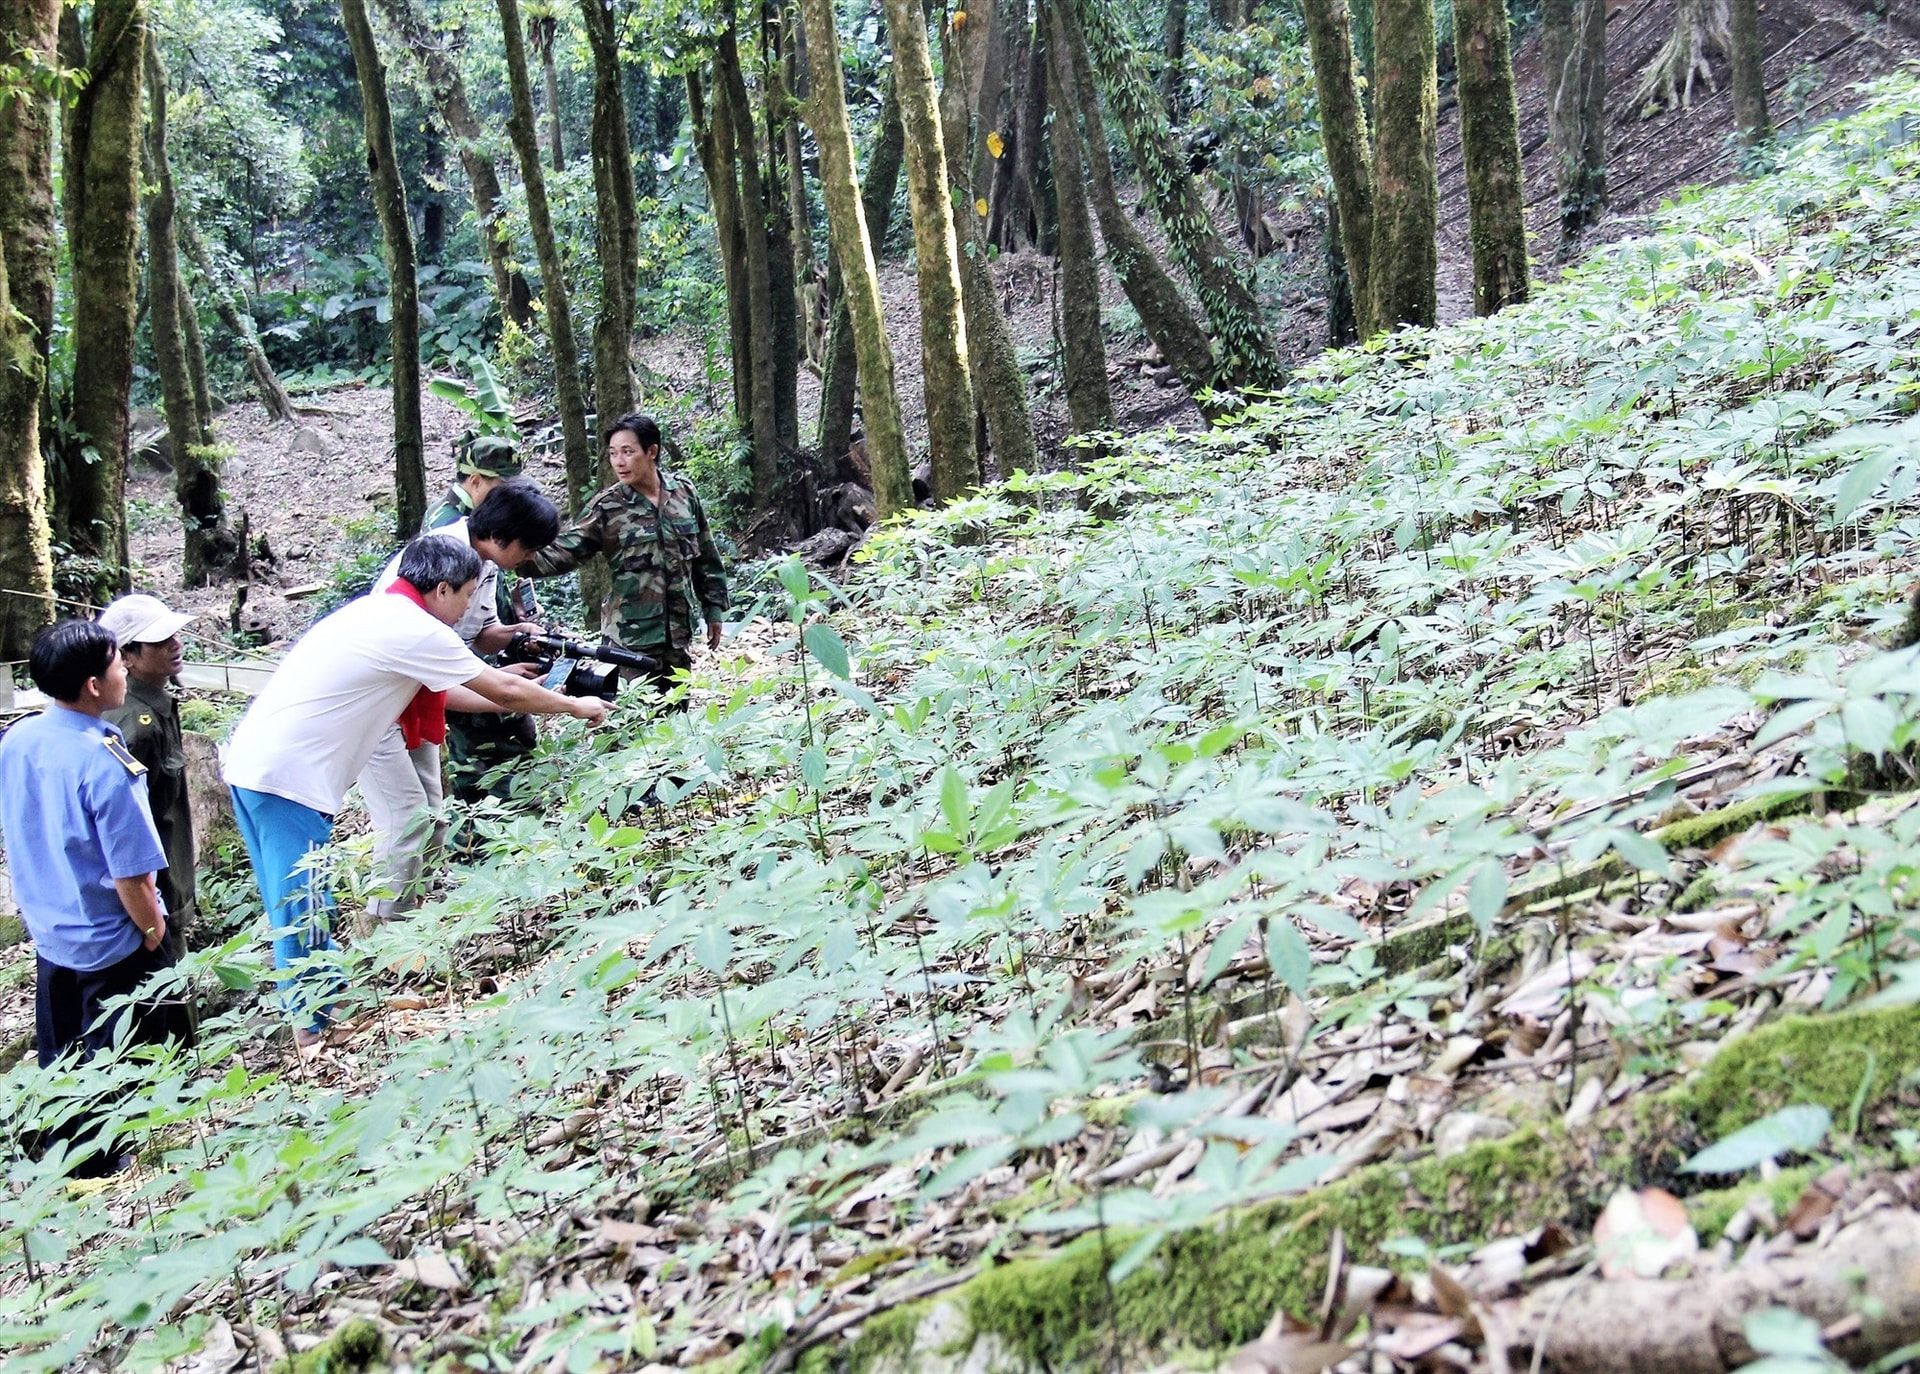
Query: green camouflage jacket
[[667, 575]]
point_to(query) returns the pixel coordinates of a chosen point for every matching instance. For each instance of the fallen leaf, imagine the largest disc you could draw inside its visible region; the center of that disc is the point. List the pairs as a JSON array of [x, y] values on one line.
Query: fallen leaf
[[1292, 1354], [1642, 1233], [431, 1269]]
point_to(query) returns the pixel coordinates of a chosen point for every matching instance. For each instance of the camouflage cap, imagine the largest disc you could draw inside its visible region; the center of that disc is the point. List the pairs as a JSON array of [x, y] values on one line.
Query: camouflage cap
[[486, 455]]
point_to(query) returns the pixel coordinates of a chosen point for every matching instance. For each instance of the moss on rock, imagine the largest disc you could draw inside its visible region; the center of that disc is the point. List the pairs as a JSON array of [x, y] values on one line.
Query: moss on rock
[[1216, 1286], [357, 1345]]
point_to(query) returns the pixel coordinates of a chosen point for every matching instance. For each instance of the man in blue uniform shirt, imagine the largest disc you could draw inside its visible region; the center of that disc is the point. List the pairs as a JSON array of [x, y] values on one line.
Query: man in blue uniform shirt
[[83, 852]]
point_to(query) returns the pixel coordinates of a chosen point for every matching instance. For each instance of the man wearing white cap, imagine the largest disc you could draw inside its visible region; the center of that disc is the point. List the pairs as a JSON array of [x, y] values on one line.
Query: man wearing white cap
[[149, 637]]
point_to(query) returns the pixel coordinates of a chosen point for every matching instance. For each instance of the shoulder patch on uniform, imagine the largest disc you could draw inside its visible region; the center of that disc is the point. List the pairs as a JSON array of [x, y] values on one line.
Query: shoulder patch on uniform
[[146, 718], [134, 767]]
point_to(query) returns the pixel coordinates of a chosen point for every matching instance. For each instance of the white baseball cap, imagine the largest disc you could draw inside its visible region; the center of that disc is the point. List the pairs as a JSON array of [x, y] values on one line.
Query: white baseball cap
[[142, 619]]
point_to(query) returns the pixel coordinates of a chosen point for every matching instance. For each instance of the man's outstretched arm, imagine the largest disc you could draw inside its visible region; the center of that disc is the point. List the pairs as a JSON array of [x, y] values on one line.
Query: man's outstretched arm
[[497, 690]]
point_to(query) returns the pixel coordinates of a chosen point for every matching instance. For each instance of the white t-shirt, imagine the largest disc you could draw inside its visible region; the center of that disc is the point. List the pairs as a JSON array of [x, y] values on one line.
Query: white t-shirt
[[313, 728], [483, 610]]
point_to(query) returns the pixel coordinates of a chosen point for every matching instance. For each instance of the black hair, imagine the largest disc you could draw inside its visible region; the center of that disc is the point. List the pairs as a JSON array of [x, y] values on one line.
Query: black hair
[[515, 512], [432, 559], [67, 653], [644, 429]]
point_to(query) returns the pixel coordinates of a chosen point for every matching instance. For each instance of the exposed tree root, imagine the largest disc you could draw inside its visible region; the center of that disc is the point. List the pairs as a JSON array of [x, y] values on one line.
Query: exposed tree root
[[1863, 1288]]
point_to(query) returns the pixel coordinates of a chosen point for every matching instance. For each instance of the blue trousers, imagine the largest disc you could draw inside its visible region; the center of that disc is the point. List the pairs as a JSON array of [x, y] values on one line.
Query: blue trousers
[[279, 835]]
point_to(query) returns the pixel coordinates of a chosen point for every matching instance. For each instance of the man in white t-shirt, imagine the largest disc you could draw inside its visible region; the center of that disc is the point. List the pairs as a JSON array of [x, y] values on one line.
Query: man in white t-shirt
[[388, 656], [401, 785]]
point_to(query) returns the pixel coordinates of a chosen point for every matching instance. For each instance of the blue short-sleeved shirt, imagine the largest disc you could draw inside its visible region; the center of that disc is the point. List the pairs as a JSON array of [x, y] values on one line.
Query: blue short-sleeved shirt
[[74, 817]]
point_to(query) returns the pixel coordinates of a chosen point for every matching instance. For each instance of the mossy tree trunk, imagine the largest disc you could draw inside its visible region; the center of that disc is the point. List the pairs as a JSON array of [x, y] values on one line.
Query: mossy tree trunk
[[1017, 210], [27, 117], [1163, 311], [449, 93], [232, 310], [1082, 344], [1343, 131], [577, 444], [543, 27], [853, 251], [101, 178], [877, 184], [713, 140], [945, 361], [764, 414], [777, 116], [1403, 265], [1490, 143], [1749, 71], [1573, 50], [396, 233], [1247, 357], [1173, 43], [191, 341], [209, 546], [615, 389], [1000, 389]]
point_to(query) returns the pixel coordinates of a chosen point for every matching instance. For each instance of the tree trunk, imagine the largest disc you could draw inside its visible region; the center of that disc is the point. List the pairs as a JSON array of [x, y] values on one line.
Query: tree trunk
[[1404, 262], [1174, 44], [233, 313], [1343, 130], [1699, 27], [877, 186], [1573, 47], [1490, 144], [1343, 326], [853, 250], [782, 288], [209, 544], [793, 63], [1247, 355], [190, 339], [1152, 292], [27, 28], [101, 176], [713, 138], [449, 93], [615, 390], [1001, 390], [1023, 212], [945, 362], [396, 232], [542, 30], [582, 474], [1082, 345], [731, 86], [1749, 71]]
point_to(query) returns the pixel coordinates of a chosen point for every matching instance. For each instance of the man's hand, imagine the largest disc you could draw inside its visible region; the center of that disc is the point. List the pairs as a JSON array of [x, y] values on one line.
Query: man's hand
[[713, 635], [140, 898], [530, 671], [590, 709]]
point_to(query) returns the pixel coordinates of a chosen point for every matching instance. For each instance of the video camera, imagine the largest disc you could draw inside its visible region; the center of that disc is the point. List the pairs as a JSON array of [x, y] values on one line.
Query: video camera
[[567, 666]]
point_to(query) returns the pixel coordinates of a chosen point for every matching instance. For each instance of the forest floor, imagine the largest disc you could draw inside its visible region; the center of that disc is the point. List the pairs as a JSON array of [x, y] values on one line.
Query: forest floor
[[1410, 889]]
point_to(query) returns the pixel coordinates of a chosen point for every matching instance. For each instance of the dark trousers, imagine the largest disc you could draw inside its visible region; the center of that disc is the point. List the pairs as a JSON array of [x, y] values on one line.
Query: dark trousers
[[69, 1019]]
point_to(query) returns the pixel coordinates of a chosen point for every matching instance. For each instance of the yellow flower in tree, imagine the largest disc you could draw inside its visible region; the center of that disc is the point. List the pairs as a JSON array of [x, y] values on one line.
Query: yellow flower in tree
[[980, 207], [995, 144]]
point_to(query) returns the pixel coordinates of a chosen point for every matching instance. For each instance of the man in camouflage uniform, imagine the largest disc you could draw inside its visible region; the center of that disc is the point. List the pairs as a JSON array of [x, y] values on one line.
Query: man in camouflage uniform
[[478, 743], [148, 634], [667, 575]]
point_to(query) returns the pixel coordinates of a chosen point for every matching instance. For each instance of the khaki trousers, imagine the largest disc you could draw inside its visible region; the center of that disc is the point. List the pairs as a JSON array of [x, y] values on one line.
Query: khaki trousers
[[403, 795]]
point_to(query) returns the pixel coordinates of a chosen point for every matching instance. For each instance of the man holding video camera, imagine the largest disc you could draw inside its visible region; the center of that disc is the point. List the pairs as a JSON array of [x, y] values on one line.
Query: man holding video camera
[[401, 782]]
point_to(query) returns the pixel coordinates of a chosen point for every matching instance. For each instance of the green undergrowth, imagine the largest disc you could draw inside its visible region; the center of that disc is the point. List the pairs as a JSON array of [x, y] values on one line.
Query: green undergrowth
[[964, 878], [1217, 1286]]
